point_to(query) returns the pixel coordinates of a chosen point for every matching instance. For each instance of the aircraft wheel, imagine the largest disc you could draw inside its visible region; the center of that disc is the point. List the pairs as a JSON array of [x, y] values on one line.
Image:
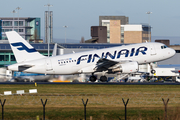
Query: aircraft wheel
[[153, 71], [92, 78], [103, 79]]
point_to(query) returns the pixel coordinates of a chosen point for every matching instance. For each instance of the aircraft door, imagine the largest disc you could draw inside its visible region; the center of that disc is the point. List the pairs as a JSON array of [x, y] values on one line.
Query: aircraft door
[[152, 49], [48, 65]]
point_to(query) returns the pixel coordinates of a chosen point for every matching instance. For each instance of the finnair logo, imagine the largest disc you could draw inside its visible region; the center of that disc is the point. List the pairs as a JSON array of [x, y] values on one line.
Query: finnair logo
[[115, 55], [23, 47]]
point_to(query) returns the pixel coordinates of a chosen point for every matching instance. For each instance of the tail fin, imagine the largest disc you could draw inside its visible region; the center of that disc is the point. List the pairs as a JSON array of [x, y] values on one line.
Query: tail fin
[[22, 50]]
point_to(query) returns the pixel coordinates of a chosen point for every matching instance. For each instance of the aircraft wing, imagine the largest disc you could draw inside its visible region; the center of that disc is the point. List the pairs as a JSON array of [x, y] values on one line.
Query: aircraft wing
[[104, 64]]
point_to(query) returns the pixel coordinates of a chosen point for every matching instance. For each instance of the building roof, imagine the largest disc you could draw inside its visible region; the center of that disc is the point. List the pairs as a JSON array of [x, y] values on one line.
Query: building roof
[[16, 18], [93, 40], [44, 46]]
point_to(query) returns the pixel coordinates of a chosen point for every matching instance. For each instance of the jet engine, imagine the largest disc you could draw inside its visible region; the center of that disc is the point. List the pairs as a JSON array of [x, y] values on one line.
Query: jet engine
[[128, 67]]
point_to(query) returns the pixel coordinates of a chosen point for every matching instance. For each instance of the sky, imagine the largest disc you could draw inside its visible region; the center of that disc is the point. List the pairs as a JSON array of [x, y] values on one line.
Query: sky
[[80, 15]]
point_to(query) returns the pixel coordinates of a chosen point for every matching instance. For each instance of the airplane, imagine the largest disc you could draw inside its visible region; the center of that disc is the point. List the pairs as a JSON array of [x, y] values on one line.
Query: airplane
[[29, 77], [123, 59]]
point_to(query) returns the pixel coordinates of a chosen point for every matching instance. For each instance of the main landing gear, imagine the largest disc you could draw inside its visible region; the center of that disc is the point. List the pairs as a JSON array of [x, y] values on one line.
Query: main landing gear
[[94, 78], [103, 79]]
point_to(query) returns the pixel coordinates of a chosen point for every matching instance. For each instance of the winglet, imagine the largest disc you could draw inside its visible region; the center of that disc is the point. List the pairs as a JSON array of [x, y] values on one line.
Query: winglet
[[22, 50]]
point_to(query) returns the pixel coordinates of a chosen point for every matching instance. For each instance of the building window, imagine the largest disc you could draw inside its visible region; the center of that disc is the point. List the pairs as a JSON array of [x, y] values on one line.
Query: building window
[[6, 30], [122, 29], [4, 57], [28, 31], [13, 58], [108, 40], [122, 40], [20, 23], [16, 30], [20, 30], [1, 57], [4, 38], [7, 23], [16, 23]]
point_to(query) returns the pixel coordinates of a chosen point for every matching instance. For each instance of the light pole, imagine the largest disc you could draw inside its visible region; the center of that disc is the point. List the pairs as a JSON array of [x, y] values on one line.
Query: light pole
[[13, 18], [149, 22], [65, 32], [48, 5], [18, 8]]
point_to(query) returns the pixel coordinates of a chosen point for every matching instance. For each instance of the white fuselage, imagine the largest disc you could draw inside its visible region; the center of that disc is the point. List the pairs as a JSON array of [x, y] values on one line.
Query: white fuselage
[[85, 62]]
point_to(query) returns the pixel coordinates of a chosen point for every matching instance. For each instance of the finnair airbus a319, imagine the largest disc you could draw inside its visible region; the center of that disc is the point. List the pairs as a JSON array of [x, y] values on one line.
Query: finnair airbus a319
[[123, 59]]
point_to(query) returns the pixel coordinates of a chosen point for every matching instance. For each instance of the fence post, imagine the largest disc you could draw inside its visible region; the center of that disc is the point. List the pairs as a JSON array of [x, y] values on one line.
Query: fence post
[[165, 108], [125, 104], [2, 104], [84, 108], [44, 104]]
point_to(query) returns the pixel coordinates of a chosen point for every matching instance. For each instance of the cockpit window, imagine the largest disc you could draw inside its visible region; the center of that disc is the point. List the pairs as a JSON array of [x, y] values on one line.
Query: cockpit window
[[163, 47]]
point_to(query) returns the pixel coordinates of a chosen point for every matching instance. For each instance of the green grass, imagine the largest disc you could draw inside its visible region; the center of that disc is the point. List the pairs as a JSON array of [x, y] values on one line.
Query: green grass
[[43, 88], [62, 99]]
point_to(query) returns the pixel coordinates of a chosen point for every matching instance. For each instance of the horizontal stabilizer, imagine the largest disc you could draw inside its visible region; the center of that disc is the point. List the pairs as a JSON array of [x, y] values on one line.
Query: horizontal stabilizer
[[24, 67]]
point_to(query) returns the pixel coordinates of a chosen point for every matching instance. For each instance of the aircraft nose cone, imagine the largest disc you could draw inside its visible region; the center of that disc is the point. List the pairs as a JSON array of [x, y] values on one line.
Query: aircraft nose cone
[[173, 52]]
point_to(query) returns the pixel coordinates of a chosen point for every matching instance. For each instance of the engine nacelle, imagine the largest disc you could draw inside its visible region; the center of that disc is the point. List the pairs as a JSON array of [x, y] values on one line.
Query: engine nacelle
[[128, 67]]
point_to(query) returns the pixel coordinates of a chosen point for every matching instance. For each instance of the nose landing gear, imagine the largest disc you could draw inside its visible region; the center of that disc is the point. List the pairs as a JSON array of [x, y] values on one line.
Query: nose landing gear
[[152, 70]]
